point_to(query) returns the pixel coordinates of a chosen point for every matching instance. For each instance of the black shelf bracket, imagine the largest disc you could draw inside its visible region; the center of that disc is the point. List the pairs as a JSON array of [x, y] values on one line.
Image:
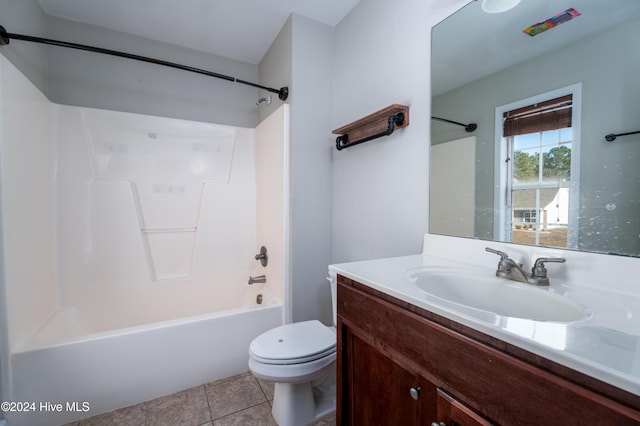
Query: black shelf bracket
[[342, 142], [381, 123]]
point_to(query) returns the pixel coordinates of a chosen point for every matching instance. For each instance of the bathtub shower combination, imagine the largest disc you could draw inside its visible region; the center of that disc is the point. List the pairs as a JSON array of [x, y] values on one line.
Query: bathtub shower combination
[[148, 231]]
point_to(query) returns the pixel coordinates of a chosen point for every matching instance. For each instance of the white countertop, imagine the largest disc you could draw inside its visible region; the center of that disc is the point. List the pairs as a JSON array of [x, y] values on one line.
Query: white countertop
[[606, 345]]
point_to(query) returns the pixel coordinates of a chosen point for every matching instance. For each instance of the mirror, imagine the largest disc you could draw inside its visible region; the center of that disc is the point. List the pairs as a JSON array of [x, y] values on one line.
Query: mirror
[[582, 191]]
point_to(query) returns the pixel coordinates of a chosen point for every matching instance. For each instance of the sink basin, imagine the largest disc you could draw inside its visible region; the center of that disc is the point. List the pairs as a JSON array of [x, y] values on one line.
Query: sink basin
[[492, 294]]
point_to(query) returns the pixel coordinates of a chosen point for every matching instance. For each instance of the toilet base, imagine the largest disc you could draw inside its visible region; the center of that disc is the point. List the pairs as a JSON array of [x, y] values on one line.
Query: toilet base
[[296, 404]]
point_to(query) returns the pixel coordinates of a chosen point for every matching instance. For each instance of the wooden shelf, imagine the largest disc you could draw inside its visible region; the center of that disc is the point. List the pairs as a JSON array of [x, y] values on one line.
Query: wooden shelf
[[380, 123]]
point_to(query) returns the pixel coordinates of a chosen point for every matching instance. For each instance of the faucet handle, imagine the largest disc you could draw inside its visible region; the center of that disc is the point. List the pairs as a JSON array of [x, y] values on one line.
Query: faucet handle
[[539, 270], [504, 265], [502, 254], [504, 258], [263, 257]]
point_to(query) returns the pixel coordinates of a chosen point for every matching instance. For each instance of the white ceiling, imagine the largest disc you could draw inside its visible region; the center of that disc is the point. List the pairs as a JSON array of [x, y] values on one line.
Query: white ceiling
[[238, 29]]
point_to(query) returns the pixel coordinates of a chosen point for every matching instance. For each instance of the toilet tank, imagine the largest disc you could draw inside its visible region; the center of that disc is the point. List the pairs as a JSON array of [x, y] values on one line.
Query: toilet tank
[[333, 281]]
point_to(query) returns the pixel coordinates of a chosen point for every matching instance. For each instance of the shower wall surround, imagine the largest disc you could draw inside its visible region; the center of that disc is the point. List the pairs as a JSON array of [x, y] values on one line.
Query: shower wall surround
[[28, 261], [127, 215], [272, 202], [167, 164], [153, 213]]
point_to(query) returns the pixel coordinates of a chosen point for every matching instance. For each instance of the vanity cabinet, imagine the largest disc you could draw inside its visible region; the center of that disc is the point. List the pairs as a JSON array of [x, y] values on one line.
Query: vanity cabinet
[[400, 364]]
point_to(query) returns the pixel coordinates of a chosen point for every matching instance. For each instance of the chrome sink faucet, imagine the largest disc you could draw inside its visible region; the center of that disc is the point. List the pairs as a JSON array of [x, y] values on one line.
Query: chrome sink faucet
[[511, 270]]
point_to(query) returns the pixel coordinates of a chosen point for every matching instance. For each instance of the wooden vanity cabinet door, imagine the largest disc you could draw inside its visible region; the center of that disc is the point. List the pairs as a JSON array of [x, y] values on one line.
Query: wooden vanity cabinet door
[[379, 390], [453, 413]]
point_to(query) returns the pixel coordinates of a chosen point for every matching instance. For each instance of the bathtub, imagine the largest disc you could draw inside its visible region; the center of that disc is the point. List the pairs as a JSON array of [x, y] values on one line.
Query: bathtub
[[70, 370]]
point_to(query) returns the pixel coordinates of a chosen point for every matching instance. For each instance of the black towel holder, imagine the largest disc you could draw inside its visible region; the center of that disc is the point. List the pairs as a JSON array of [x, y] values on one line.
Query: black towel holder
[[381, 123], [394, 120]]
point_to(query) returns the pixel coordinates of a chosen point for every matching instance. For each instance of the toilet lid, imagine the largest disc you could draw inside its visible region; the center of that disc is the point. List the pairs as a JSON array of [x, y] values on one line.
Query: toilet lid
[[294, 343]]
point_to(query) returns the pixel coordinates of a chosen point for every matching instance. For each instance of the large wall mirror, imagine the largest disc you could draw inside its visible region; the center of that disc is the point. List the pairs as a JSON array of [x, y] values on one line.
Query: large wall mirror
[[523, 102]]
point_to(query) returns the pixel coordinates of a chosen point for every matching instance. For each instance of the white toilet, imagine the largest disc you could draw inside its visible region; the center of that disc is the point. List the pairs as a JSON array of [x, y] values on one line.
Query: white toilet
[[300, 359]]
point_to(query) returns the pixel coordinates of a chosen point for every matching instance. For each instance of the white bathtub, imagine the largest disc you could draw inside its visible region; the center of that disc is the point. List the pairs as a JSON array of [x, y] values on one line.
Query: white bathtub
[[68, 362]]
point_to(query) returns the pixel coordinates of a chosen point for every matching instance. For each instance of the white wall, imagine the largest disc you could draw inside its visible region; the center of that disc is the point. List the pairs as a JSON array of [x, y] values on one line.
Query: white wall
[[380, 201], [302, 57], [311, 169], [275, 68], [25, 17], [106, 82], [72, 77]]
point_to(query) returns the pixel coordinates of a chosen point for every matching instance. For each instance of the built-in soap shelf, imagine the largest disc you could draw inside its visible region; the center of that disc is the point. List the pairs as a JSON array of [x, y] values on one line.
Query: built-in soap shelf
[[168, 223], [166, 230], [381, 123], [169, 252]]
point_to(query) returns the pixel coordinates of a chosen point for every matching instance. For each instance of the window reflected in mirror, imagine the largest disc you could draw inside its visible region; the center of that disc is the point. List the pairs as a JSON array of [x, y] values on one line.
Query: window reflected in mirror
[[537, 161]]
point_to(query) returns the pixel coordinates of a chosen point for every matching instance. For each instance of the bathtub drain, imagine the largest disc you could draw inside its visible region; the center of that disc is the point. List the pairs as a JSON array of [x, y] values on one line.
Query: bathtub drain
[[259, 299]]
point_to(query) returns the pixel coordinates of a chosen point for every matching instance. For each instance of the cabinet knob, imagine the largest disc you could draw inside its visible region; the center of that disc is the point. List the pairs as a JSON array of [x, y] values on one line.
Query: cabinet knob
[[438, 424], [415, 393]]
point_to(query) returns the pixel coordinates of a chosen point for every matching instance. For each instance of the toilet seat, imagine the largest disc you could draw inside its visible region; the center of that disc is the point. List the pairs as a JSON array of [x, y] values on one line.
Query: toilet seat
[[302, 372], [294, 343]]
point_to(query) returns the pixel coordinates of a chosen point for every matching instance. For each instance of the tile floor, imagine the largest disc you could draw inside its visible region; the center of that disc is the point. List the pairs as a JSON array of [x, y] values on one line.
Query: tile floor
[[238, 400]]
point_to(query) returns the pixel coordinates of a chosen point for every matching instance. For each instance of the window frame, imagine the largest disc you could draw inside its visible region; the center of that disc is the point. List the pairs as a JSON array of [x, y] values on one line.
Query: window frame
[[502, 168]]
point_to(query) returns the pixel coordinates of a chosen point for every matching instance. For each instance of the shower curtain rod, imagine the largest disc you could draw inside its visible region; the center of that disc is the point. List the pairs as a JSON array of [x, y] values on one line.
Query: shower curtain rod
[[5, 37], [468, 127], [612, 136]]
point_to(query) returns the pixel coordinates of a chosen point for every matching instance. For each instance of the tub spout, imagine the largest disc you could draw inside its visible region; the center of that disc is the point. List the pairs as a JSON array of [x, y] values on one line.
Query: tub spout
[[258, 279]]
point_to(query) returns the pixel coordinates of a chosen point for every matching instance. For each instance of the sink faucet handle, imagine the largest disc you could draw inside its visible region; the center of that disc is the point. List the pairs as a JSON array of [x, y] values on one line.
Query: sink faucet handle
[[505, 265], [502, 254], [539, 270]]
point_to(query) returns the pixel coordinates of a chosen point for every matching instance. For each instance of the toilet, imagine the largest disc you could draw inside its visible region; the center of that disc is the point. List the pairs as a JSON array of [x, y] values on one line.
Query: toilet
[[301, 359]]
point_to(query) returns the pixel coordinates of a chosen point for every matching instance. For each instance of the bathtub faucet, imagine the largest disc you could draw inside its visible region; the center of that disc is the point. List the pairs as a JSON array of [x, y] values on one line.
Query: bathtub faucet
[[258, 279]]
